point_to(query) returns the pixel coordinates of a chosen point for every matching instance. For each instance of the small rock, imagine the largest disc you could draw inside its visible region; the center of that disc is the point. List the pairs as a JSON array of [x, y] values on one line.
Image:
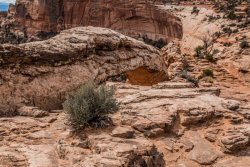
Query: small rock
[[32, 112], [123, 132], [232, 105], [235, 139], [187, 144], [154, 132], [203, 152], [169, 144], [81, 143], [211, 135]]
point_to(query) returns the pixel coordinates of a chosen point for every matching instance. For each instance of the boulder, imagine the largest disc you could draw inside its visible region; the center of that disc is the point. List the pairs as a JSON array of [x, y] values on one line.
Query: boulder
[[203, 152], [32, 112], [123, 132], [235, 139]]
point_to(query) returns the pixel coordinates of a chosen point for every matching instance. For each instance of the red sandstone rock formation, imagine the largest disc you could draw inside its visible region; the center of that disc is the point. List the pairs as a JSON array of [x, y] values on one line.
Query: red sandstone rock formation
[[135, 18], [29, 72]]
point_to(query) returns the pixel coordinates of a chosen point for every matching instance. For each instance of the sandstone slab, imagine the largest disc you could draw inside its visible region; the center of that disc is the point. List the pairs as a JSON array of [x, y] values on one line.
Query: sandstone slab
[[203, 153]]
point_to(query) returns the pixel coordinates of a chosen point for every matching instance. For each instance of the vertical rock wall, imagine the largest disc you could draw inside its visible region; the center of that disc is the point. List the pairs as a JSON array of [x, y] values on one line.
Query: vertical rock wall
[[136, 18]]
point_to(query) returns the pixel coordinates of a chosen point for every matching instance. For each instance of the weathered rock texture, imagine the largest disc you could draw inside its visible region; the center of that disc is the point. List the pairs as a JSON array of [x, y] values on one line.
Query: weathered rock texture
[[134, 18], [148, 131], [40, 73], [10, 30]]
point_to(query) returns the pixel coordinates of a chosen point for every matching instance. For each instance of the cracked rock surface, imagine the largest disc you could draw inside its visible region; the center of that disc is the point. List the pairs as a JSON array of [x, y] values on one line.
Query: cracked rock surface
[[148, 130]]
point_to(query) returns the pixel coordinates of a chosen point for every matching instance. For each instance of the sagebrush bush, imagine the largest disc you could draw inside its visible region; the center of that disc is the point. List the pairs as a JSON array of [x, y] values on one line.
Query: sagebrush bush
[[207, 73], [244, 44], [199, 51], [90, 106], [184, 74], [8, 110]]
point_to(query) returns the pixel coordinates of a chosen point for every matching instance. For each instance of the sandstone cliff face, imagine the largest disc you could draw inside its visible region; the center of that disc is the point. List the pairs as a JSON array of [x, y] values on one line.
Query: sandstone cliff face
[[39, 73], [136, 18]]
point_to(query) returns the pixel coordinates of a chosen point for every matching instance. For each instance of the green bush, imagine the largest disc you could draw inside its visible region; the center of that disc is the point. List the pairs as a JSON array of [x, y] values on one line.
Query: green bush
[[202, 53], [184, 74], [244, 44], [156, 43], [199, 51], [227, 30], [231, 15], [90, 106], [210, 58], [8, 109], [207, 73]]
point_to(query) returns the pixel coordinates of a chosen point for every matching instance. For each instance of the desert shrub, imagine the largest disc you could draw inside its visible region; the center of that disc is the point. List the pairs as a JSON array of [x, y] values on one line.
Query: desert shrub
[[184, 74], [156, 43], [195, 10], [45, 35], [227, 44], [199, 51], [217, 34], [202, 53], [90, 106], [227, 30], [235, 31], [118, 78], [231, 15], [207, 73], [210, 57], [8, 109], [232, 25], [244, 44], [212, 18], [160, 43]]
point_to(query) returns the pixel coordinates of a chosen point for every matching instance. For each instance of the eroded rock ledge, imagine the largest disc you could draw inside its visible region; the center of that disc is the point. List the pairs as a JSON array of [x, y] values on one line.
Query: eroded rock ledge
[[39, 73], [167, 125]]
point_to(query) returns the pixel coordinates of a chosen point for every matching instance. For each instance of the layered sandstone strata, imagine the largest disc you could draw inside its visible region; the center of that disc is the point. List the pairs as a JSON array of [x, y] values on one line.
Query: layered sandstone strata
[[136, 18], [39, 73], [168, 125]]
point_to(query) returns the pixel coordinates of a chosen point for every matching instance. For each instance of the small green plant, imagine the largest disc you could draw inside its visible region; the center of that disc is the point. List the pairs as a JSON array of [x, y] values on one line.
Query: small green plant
[[8, 109], [209, 57], [207, 73], [227, 44], [184, 74], [244, 44], [202, 53], [156, 43], [227, 30], [231, 15], [199, 51], [195, 10], [90, 106]]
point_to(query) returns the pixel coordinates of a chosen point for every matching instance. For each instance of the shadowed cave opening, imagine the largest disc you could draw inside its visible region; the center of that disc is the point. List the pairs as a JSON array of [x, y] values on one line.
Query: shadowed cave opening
[[143, 76]]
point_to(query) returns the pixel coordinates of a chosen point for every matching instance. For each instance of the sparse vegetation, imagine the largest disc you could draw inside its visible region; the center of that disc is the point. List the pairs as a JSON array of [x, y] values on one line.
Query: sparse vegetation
[[206, 73], [118, 78], [199, 52], [207, 51], [195, 10], [158, 43], [184, 74], [231, 15], [227, 44], [90, 106], [8, 109], [244, 44], [227, 30]]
